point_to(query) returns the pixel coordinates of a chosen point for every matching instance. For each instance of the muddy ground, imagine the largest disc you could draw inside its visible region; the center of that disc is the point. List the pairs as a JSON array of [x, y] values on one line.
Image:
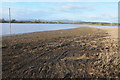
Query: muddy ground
[[73, 53]]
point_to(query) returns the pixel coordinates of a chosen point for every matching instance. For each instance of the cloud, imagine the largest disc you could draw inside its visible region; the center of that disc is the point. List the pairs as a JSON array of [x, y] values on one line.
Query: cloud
[[102, 17], [70, 6], [74, 8], [21, 14]]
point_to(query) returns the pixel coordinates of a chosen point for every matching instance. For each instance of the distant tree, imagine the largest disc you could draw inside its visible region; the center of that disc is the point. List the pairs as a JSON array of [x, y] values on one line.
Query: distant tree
[[0, 20], [13, 20], [3, 20], [58, 22], [37, 20]]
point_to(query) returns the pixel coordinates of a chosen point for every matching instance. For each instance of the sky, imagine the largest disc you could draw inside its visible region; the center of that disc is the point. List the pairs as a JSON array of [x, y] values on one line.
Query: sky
[[75, 11], [60, 0]]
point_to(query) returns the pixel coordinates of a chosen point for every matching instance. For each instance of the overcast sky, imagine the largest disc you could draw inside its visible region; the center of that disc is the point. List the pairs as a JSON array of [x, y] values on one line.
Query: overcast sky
[[78, 11]]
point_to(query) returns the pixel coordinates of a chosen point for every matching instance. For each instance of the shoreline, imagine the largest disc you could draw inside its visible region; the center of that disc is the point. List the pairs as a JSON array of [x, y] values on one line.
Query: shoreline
[[84, 52], [59, 30], [88, 23], [35, 32]]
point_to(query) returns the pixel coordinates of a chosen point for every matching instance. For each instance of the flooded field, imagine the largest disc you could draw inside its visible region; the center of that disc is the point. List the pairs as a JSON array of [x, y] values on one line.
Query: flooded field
[[20, 28]]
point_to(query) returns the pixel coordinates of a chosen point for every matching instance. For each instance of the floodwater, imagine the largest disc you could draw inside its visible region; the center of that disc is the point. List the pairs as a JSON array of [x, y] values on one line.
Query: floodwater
[[20, 28]]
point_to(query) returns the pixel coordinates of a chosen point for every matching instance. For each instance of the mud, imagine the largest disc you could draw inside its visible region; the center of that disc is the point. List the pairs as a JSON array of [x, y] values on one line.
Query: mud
[[74, 53]]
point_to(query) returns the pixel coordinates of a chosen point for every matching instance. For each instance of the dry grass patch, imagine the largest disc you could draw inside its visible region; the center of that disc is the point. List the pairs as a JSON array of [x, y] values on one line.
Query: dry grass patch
[[78, 58]]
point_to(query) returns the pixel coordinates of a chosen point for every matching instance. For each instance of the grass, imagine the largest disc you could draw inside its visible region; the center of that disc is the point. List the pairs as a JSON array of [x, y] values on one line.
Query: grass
[[83, 57]]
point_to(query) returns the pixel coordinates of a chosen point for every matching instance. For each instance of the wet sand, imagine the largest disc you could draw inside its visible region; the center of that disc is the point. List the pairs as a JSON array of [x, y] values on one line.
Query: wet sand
[[74, 53]]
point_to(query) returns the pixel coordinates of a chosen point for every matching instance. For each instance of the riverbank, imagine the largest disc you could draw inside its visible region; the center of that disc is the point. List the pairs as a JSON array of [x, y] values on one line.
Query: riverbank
[[74, 53], [58, 22]]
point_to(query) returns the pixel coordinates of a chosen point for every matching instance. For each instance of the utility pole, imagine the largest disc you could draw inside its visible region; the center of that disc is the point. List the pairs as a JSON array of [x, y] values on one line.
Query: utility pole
[[10, 20]]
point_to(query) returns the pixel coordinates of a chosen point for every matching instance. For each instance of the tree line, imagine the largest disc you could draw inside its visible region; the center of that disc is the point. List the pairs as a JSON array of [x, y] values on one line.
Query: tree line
[[58, 22]]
